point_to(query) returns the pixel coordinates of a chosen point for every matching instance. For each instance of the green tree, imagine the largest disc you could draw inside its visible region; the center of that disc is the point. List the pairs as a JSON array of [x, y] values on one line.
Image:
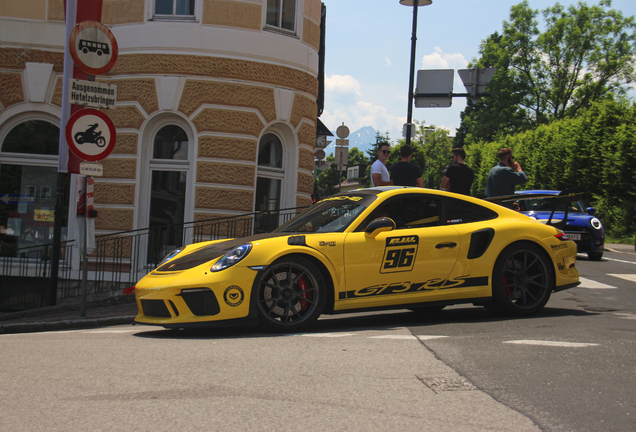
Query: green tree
[[584, 54], [357, 157], [431, 152]]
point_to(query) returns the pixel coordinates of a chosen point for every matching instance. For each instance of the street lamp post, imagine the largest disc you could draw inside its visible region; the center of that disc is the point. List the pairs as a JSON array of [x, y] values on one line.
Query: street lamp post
[[409, 113]]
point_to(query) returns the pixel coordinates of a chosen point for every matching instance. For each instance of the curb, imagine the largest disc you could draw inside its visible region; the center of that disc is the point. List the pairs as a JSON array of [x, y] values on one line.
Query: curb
[[619, 251], [45, 326]]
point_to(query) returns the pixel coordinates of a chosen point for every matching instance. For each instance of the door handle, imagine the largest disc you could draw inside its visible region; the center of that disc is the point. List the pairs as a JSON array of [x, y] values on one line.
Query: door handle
[[446, 245]]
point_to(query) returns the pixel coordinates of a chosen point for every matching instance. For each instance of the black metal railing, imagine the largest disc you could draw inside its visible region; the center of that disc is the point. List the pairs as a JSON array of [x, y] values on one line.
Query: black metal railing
[[119, 259]]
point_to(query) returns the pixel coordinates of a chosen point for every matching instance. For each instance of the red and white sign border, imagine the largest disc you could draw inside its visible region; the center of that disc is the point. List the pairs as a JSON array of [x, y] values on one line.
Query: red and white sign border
[[71, 143], [76, 58]]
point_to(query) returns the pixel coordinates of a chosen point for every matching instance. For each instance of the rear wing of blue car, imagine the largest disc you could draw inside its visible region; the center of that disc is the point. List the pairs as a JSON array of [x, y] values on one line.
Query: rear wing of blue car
[[572, 194]]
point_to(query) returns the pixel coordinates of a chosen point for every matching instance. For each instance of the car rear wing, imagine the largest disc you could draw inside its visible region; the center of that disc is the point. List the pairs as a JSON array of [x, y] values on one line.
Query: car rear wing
[[565, 196]]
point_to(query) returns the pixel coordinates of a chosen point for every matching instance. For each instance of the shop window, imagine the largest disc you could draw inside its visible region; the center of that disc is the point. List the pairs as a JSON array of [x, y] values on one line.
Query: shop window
[[28, 188], [281, 14]]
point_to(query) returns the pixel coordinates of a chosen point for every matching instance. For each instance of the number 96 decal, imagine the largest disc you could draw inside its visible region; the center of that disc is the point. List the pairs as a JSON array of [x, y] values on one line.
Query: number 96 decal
[[399, 254]]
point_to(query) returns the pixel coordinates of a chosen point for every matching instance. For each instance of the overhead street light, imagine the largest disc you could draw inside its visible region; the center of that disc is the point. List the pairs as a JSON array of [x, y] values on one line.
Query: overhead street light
[[409, 113]]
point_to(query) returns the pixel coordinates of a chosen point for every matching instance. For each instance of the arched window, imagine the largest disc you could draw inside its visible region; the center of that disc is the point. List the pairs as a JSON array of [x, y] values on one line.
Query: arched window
[[171, 142], [270, 152], [169, 171], [269, 181], [34, 137]]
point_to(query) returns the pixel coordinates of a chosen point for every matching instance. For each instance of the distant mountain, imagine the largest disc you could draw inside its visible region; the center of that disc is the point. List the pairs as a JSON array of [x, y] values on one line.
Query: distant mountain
[[363, 139]]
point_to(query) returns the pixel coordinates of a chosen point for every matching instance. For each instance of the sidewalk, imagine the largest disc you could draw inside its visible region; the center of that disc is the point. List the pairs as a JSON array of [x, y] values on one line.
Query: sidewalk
[[123, 312]]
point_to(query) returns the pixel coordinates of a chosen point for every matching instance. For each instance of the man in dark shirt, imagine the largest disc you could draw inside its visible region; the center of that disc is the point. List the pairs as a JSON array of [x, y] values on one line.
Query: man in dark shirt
[[504, 176], [458, 177], [405, 173]]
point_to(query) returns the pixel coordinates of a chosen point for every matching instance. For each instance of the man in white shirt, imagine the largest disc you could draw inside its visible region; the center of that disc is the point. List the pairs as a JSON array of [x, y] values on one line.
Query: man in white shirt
[[379, 174]]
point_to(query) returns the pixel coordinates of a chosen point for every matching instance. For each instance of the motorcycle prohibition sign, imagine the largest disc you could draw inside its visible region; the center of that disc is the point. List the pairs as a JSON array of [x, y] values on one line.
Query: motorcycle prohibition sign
[[90, 135]]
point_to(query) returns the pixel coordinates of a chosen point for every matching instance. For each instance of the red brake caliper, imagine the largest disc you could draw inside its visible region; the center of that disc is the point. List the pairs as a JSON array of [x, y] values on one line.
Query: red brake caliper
[[505, 285], [302, 284]]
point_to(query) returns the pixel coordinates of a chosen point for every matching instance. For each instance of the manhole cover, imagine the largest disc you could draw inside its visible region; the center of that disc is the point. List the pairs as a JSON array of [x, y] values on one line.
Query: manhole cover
[[447, 384], [600, 309]]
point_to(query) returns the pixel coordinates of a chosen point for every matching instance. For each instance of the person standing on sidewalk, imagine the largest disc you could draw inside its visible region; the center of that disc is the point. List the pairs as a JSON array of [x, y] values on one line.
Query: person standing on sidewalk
[[406, 173], [504, 176], [458, 177], [379, 174]]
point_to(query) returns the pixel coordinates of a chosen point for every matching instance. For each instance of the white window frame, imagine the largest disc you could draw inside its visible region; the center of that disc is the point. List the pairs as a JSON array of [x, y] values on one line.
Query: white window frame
[[174, 17], [279, 28]]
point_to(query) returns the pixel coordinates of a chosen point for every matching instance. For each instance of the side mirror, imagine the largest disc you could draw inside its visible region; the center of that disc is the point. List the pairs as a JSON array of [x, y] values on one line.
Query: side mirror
[[376, 226], [591, 211]]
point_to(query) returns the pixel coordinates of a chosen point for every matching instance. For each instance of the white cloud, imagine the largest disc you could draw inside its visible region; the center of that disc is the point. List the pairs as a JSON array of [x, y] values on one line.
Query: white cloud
[[342, 85], [388, 61], [440, 60]]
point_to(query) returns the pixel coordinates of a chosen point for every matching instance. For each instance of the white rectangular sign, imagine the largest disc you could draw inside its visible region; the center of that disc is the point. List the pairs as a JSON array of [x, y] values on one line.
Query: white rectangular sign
[[92, 169], [92, 94]]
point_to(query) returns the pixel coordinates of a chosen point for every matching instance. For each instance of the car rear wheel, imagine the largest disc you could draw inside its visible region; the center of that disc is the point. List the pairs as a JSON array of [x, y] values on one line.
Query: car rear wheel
[[595, 256], [522, 280], [291, 295]]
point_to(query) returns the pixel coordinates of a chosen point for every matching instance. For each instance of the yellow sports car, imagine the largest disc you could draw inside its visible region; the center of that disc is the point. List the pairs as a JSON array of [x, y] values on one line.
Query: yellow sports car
[[369, 249]]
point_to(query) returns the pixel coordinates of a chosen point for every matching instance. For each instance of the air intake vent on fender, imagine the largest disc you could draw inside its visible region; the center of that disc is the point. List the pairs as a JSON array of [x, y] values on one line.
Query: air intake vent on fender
[[479, 242]]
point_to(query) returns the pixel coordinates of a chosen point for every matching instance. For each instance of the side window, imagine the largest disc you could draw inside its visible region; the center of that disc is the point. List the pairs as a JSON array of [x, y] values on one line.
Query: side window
[[174, 9], [458, 212], [281, 14], [408, 211]]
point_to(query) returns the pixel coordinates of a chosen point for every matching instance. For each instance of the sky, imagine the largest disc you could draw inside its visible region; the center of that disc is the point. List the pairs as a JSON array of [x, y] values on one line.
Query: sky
[[368, 52]]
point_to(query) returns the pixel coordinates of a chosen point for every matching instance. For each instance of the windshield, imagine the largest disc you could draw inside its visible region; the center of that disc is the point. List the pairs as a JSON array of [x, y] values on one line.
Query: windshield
[[333, 214], [545, 204]]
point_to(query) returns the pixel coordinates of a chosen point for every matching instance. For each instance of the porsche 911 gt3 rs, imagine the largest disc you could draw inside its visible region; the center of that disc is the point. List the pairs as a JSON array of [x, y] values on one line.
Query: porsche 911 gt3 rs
[[369, 249]]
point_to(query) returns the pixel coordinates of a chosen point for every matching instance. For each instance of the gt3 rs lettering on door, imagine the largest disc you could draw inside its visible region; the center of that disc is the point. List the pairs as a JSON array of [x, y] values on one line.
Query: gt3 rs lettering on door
[[399, 254]]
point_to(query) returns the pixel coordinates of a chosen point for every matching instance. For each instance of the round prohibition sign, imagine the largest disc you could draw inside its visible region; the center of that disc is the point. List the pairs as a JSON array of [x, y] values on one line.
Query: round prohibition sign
[[93, 47], [90, 135]]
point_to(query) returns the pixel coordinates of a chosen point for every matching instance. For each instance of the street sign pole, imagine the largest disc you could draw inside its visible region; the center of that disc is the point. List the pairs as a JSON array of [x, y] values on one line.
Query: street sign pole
[[75, 10], [85, 254]]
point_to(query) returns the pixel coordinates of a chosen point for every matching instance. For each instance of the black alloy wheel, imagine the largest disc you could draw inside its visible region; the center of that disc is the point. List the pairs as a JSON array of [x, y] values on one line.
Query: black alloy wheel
[[522, 280], [291, 295], [595, 256]]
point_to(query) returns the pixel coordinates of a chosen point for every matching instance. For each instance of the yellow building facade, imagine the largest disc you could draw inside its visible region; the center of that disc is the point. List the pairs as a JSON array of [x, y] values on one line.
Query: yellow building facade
[[216, 112]]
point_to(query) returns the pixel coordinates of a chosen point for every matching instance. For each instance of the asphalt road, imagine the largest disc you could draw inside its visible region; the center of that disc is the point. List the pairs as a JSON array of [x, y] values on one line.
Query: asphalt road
[[570, 368]]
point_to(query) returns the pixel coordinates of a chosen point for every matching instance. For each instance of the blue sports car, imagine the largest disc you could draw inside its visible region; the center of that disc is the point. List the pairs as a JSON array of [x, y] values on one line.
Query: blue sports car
[[581, 226]]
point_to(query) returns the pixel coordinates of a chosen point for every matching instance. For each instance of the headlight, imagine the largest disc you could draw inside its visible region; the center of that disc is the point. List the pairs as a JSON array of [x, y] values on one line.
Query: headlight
[[596, 223], [171, 255], [232, 257]]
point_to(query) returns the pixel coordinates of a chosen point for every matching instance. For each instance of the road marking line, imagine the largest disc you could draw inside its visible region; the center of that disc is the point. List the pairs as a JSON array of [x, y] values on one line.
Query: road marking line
[[625, 315], [590, 284], [328, 335], [627, 277], [551, 343], [393, 337], [428, 337], [420, 337], [115, 331], [617, 260]]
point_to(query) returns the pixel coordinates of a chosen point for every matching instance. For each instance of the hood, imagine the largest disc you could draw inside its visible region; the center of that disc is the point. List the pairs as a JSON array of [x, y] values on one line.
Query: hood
[[212, 252]]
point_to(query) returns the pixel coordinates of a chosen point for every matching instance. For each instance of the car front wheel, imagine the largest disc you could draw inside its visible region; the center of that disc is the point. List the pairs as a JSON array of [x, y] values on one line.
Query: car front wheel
[[522, 280], [290, 294], [595, 256]]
